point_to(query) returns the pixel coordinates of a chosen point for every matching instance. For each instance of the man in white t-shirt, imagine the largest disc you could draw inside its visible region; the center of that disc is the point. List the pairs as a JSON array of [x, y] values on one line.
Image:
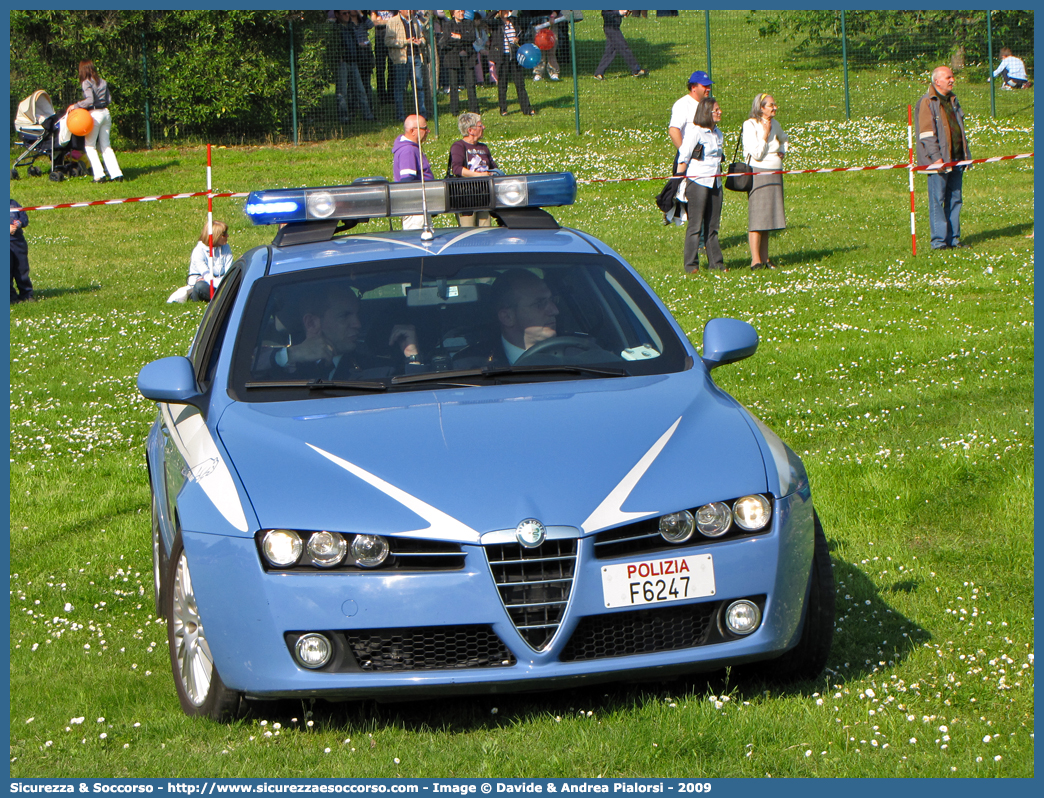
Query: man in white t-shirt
[[685, 108]]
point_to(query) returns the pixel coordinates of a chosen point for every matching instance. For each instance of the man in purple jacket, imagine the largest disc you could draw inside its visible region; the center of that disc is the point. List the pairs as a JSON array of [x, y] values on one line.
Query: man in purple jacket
[[409, 163]]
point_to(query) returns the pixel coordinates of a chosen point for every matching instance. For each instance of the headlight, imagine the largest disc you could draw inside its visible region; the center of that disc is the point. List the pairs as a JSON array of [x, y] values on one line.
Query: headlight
[[326, 548], [752, 512], [677, 527], [714, 520], [282, 547], [369, 551]]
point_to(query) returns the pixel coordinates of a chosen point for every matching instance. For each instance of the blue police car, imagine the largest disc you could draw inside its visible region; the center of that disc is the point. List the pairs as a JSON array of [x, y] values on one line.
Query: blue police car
[[463, 460]]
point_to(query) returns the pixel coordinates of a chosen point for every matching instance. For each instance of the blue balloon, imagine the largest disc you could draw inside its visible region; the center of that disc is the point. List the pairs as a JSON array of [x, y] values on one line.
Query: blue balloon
[[528, 56]]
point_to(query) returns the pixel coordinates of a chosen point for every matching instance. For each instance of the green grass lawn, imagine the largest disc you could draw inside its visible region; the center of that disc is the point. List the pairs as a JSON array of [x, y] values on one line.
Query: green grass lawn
[[905, 383]]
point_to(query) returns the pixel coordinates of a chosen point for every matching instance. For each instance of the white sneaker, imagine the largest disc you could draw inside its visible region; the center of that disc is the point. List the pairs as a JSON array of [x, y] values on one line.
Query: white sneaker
[[181, 294], [536, 78], [1005, 87], [553, 77]]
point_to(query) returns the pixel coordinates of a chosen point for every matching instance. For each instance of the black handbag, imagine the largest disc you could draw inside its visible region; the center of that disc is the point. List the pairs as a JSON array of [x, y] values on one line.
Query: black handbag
[[740, 174]]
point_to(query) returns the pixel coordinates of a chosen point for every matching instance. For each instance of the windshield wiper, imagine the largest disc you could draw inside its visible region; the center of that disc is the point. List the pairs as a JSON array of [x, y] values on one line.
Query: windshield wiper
[[498, 371], [321, 384]]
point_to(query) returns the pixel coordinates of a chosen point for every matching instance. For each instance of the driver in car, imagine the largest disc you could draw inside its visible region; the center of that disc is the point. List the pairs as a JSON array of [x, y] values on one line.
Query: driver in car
[[527, 315], [526, 311], [329, 350]]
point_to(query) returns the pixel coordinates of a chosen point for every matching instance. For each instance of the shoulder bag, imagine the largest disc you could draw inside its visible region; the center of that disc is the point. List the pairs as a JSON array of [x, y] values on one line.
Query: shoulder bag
[[740, 175]]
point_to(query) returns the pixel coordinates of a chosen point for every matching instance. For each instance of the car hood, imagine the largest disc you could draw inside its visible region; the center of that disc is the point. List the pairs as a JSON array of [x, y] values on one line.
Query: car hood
[[455, 464]]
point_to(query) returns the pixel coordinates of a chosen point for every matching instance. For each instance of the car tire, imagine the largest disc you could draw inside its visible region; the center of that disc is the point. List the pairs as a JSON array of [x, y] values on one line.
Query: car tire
[[160, 561], [808, 658], [200, 689]]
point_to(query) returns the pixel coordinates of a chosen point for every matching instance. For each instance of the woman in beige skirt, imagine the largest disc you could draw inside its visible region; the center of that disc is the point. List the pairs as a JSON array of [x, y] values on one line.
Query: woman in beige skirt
[[764, 145]]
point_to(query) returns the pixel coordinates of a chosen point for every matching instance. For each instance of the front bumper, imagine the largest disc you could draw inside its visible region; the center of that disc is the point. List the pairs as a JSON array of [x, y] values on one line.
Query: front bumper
[[248, 614]]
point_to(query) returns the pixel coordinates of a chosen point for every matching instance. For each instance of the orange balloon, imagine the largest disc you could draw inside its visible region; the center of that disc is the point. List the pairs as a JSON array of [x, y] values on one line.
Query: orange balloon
[[80, 122]]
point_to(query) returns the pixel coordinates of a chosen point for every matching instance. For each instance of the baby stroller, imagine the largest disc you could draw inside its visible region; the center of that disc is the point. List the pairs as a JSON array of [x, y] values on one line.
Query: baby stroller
[[38, 126]]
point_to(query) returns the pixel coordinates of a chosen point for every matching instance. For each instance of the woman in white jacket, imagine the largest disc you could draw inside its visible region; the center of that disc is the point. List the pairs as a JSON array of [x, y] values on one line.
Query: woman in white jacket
[[764, 145], [206, 270], [699, 159]]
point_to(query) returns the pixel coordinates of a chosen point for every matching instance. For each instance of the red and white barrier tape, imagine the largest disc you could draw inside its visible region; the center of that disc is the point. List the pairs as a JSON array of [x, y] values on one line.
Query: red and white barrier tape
[[584, 180], [132, 199], [825, 171]]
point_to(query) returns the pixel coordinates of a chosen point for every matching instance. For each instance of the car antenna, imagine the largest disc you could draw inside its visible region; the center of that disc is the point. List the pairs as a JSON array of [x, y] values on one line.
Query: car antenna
[[427, 234]]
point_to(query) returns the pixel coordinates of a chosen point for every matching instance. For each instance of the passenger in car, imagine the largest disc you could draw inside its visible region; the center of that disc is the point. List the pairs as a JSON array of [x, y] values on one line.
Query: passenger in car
[[329, 318]]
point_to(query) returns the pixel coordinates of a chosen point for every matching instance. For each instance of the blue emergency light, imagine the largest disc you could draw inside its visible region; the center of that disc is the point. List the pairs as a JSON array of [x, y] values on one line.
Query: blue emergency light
[[369, 198]]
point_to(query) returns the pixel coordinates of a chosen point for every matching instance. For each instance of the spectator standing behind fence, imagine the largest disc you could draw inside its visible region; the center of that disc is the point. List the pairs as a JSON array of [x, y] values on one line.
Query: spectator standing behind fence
[[616, 45], [404, 36], [96, 99], [457, 44], [484, 71], [408, 162], [360, 26], [939, 121], [470, 157], [764, 146], [382, 60], [503, 45], [351, 93], [548, 67], [21, 286], [699, 159], [1012, 71]]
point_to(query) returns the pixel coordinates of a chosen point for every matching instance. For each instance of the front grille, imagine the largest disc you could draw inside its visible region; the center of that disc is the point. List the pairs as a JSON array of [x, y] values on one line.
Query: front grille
[[474, 193], [621, 634], [428, 649], [534, 585]]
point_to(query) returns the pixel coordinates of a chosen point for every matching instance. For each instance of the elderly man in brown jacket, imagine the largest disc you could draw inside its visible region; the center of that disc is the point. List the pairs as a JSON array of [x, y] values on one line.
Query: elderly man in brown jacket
[[941, 140]]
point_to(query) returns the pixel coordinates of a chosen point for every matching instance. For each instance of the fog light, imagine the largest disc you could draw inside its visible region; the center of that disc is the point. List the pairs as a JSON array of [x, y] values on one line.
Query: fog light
[[326, 548], [742, 617], [282, 547], [313, 650], [677, 527], [752, 512], [714, 520], [369, 551]]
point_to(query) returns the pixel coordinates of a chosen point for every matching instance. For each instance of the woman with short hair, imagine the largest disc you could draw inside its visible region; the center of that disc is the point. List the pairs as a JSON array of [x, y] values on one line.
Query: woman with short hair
[[764, 145]]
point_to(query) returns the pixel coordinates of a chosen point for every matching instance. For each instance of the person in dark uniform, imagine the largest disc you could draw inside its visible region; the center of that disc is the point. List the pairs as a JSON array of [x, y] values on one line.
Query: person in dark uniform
[[21, 286], [616, 45], [330, 319]]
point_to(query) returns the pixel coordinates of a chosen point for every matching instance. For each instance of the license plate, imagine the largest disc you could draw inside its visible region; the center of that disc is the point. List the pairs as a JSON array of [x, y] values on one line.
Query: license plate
[[636, 584]]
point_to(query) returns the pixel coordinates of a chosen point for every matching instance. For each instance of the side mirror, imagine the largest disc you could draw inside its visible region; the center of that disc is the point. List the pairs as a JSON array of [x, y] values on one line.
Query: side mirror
[[726, 341], [171, 379]]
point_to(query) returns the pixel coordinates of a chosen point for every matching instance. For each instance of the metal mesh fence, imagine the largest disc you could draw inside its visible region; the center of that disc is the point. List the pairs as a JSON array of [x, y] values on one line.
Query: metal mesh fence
[[301, 81]]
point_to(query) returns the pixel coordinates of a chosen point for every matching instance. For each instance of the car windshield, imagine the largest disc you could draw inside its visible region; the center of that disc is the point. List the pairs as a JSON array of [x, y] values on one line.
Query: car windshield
[[436, 322]]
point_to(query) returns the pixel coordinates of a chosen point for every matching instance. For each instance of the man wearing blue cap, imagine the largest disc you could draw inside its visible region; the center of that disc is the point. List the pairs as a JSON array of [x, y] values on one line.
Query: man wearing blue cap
[[684, 109], [682, 113]]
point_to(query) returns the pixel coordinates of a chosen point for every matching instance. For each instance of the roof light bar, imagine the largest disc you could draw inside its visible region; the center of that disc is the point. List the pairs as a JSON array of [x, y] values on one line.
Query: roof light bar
[[369, 199]]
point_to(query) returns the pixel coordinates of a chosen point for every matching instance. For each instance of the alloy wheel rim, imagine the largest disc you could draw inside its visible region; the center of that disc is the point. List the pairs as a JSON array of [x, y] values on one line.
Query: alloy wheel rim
[[195, 663]]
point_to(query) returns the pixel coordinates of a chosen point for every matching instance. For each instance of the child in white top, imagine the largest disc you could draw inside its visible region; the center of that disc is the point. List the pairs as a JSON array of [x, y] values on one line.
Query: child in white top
[[1012, 70]]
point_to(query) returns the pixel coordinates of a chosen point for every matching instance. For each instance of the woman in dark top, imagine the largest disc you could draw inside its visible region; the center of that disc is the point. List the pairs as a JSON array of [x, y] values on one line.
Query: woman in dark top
[[504, 32], [456, 43]]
